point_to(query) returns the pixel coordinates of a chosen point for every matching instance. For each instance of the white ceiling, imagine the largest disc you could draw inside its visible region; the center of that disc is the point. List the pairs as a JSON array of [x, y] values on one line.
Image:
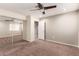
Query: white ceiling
[[17, 7], [24, 8]]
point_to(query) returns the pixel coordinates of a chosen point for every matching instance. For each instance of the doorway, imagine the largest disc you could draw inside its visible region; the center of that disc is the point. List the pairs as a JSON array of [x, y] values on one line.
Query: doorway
[[36, 29], [42, 30]]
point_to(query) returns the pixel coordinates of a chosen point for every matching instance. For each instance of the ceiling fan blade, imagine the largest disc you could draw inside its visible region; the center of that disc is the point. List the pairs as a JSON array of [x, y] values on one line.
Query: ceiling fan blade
[[40, 5], [49, 7], [34, 9]]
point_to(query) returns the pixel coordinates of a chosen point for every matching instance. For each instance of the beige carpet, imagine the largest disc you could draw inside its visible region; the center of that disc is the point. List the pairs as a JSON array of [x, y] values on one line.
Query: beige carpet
[[38, 48]]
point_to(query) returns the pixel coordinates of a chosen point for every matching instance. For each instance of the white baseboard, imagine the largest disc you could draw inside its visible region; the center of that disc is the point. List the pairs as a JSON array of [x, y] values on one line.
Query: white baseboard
[[63, 43]]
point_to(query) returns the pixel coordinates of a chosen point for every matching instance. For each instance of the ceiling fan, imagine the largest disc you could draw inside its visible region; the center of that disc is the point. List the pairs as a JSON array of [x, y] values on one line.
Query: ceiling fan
[[41, 7]]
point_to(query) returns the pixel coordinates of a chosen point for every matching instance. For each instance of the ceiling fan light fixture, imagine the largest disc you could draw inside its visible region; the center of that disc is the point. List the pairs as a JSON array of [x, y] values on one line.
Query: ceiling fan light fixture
[[44, 8], [43, 12]]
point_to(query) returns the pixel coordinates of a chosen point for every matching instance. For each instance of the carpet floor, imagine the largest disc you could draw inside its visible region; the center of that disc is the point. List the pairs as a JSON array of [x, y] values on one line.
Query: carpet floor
[[38, 48]]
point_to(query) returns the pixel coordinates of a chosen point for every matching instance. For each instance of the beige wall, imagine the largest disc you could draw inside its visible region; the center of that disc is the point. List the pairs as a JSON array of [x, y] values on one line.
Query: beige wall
[[29, 29], [63, 28], [26, 29]]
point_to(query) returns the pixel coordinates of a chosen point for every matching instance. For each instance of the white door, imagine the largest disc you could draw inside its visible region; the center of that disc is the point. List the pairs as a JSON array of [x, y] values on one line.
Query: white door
[[41, 30]]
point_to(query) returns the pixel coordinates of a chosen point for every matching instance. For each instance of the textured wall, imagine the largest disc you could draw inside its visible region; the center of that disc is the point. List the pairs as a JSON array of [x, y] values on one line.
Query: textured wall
[[63, 28]]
